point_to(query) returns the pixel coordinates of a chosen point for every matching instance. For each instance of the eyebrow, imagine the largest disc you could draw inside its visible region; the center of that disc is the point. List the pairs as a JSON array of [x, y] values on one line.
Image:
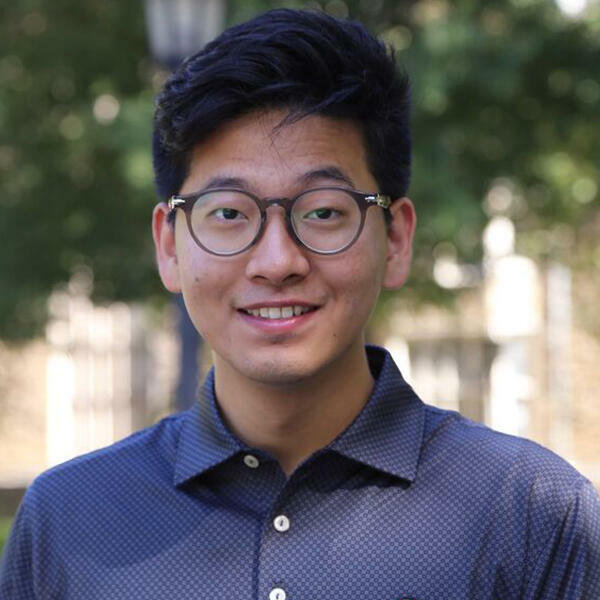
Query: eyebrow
[[326, 172], [313, 176], [224, 181]]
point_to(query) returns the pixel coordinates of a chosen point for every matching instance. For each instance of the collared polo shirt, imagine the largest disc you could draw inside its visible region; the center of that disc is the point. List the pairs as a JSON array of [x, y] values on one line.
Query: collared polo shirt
[[410, 502]]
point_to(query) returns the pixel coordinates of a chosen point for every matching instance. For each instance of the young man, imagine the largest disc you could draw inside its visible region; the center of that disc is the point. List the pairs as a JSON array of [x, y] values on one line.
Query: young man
[[308, 469]]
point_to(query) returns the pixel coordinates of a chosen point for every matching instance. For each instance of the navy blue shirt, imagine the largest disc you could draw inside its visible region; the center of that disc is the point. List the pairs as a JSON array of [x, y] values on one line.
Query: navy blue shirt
[[410, 502]]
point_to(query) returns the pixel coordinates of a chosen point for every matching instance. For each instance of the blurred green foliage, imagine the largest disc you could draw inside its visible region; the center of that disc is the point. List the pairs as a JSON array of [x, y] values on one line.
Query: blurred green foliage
[[5, 523], [76, 184], [504, 91]]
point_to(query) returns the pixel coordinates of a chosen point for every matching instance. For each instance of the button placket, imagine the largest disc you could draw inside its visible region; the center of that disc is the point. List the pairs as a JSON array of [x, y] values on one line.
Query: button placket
[[277, 547]]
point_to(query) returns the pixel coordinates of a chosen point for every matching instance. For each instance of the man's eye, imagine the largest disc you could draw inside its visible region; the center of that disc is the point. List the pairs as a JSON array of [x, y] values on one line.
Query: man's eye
[[322, 214], [228, 214]]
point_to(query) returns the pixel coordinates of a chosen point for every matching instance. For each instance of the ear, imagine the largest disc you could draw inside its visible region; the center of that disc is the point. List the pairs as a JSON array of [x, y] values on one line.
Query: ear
[[163, 234], [399, 243]]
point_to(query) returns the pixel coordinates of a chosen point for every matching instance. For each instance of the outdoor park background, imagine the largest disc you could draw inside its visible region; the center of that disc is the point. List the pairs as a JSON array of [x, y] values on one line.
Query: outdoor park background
[[499, 319]]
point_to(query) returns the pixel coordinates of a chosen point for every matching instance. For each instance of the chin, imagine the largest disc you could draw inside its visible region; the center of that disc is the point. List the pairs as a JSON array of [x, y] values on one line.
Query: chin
[[278, 372], [279, 367]]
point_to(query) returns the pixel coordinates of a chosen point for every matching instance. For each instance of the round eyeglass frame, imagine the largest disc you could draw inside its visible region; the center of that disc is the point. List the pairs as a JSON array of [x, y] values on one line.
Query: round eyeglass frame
[[364, 201]]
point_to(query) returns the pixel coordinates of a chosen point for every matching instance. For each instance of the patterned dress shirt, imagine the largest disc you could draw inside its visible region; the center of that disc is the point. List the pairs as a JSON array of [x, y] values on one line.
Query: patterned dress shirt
[[410, 502]]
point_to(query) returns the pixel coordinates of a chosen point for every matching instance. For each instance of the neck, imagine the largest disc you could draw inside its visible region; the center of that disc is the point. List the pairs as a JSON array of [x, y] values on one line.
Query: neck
[[290, 421]]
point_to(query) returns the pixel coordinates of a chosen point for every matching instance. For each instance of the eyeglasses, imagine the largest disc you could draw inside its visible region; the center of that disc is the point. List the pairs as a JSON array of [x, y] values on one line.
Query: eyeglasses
[[324, 220]]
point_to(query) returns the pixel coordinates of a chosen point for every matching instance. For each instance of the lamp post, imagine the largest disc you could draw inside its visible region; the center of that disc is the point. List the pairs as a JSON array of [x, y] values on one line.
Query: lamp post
[[176, 29]]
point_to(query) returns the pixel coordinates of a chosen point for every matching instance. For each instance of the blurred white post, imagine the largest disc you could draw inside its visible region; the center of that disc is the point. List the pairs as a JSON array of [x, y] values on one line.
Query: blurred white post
[[88, 375], [60, 398], [558, 327], [513, 313]]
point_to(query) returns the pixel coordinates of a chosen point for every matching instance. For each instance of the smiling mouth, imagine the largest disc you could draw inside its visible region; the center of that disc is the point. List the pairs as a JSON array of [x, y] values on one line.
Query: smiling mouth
[[278, 312]]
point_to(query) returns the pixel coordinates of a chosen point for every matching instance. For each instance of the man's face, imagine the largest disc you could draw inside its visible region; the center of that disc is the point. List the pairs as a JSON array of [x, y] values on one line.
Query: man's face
[[339, 291]]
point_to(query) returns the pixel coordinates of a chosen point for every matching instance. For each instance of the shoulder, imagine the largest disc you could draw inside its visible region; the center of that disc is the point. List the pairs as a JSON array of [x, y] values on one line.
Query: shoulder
[[516, 472], [144, 455], [481, 444], [72, 509], [530, 510]]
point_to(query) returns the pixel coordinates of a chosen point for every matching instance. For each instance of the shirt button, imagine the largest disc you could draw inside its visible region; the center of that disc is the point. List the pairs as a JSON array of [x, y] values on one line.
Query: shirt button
[[251, 461], [277, 594], [281, 523]]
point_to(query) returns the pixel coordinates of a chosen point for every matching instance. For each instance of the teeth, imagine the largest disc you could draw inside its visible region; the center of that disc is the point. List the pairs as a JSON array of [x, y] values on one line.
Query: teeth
[[276, 312]]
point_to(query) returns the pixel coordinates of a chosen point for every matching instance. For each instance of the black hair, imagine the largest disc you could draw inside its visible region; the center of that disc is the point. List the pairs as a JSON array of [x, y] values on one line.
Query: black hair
[[307, 62]]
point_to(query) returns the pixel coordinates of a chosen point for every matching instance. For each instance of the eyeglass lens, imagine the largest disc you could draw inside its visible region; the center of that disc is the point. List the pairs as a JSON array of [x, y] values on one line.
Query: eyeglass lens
[[228, 221]]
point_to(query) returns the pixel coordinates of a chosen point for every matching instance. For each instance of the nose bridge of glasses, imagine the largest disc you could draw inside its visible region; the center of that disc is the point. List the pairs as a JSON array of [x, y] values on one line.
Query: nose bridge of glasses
[[284, 203]]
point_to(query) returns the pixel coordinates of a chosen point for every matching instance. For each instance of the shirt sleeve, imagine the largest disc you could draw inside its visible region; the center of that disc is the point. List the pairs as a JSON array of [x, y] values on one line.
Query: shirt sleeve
[[568, 566], [16, 565]]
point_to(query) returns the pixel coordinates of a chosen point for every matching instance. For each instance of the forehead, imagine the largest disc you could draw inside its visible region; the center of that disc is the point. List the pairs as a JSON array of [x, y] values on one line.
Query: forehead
[[260, 152]]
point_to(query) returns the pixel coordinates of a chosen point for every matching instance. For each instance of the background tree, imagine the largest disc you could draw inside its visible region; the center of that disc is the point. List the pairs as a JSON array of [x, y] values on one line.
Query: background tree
[[76, 189], [506, 97]]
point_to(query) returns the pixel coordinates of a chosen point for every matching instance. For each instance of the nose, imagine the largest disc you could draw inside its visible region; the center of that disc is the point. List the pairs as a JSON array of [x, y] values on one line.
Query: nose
[[276, 257]]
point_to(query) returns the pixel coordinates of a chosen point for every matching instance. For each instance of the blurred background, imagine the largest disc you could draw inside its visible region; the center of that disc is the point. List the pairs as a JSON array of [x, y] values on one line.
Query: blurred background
[[499, 319]]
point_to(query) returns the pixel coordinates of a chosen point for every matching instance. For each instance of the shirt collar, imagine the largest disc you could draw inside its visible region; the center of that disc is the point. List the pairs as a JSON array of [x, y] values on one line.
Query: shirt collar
[[204, 441], [386, 435]]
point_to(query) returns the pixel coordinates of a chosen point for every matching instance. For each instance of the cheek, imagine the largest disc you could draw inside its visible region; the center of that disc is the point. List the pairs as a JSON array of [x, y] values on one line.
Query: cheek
[[356, 280], [203, 284], [197, 268], [204, 293]]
